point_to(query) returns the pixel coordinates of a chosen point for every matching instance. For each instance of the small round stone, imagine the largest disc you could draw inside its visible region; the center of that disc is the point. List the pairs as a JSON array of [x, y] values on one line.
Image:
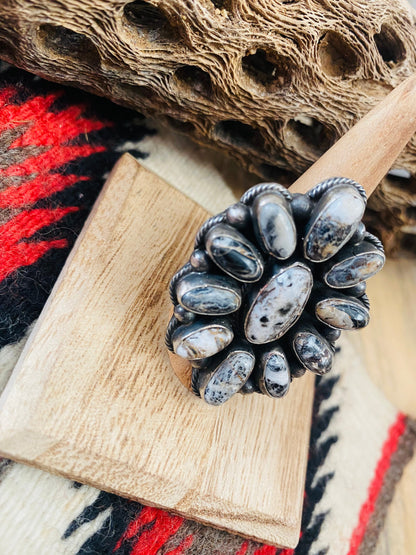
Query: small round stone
[[201, 363], [330, 334], [200, 261], [301, 206], [358, 234], [248, 387], [183, 315], [356, 291], [297, 371], [238, 215]]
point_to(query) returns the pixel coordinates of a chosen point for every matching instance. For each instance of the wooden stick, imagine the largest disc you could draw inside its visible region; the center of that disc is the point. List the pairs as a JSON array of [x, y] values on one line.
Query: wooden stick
[[368, 150], [365, 153]]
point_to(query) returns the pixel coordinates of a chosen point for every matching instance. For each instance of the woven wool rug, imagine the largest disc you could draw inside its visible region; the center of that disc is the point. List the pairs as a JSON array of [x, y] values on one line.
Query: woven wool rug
[[56, 147]]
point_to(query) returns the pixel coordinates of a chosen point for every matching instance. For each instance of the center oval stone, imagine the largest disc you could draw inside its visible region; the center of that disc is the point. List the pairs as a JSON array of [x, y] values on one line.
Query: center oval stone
[[278, 304]]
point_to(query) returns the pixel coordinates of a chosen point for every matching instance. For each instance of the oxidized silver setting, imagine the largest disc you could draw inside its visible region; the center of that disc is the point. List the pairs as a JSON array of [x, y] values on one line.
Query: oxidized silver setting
[[270, 284]]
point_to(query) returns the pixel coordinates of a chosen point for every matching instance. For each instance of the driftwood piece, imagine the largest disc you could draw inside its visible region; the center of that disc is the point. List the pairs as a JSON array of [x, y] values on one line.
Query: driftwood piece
[[273, 83]]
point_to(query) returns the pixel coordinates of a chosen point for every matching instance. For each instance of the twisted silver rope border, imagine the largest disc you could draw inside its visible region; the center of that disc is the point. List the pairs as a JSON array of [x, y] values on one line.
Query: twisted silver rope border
[[249, 195], [186, 269], [173, 324], [316, 192], [374, 241], [206, 226]]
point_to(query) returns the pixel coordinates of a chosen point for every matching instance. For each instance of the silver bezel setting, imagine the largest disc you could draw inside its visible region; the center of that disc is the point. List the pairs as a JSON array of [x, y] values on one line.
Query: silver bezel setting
[[241, 252]]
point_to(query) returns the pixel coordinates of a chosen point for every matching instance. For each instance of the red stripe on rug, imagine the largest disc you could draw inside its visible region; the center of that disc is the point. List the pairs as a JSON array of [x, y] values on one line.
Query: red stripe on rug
[[40, 187], [151, 539], [6, 94], [187, 542], [52, 159], [14, 252], [26, 223], [243, 549], [51, 128], [12, 115], [389, 447], [265, 550], [25, 254]]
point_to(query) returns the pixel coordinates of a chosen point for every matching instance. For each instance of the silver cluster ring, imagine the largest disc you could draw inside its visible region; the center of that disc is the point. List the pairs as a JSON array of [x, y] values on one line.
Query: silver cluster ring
[[270, 284]]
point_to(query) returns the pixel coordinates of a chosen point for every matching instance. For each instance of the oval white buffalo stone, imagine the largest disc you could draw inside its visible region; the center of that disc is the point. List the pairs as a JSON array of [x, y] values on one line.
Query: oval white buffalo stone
[[233, 253], [202, 339], [313, 351], [228, 377], [357, 264], [342, 313], [279, 303], [274, 225], [333, 221], [209, 294], [274, 377]]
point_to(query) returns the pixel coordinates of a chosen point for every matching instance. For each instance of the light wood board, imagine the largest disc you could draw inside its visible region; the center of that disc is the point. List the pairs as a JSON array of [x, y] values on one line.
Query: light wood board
[[93, 396]]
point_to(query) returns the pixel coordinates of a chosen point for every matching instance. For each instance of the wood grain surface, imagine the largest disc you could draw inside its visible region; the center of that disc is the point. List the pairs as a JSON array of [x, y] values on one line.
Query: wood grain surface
[[93, 396]]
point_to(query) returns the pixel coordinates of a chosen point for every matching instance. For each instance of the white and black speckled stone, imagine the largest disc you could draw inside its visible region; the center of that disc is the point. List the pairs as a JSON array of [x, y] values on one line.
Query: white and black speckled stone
[[202, 339], [278, 303], [209, 294], [345, 313], [274, 225], [333, 221], [274, 373], [312, 350], [228, 376], [234, 254], [354, 265]]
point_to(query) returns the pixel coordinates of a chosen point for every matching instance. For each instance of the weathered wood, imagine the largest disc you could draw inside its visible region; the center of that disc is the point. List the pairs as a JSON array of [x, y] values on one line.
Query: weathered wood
[[94, 397], [273, 83]]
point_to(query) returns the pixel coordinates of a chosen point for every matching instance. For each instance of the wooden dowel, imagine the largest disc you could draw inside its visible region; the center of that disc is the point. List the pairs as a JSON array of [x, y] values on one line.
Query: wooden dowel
[[368, 150], [365, 153]]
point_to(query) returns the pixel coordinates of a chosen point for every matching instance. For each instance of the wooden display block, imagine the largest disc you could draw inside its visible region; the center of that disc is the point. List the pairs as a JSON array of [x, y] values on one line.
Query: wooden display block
[[94, 398]]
